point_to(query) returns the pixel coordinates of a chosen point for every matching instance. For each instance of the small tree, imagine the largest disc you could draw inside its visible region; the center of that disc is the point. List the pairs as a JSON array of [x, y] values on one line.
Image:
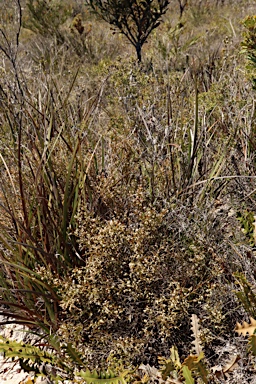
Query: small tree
[[135, 19]]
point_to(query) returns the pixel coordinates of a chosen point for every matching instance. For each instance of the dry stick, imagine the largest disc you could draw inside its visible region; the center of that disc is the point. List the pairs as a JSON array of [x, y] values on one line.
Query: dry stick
[[194, 139], [218, 178]]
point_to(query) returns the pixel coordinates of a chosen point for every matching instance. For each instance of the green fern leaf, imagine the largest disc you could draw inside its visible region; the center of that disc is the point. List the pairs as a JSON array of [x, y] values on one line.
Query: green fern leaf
[[195, 363], [12, 349], [110, 378], [24, 364], [187, 375]]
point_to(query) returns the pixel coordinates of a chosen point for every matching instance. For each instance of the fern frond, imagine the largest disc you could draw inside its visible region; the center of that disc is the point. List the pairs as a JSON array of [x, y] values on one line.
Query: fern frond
[[195, 363], [33, 359], [187, 375], [107, 377], [12, 349]]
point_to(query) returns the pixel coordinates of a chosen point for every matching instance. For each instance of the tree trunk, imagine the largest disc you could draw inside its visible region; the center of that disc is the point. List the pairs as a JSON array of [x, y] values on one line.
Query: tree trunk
[[138, 50]]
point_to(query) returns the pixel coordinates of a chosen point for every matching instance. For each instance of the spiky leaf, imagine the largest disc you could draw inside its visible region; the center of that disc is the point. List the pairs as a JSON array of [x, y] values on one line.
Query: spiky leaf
[[12, 348], [187, 375], [107, 377], [195, 363], [246, 328], [195, 330]]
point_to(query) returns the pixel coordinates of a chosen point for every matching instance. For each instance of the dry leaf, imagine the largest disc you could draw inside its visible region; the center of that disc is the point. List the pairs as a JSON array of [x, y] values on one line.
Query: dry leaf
[[195, 330], [246, 328], [232, 364]]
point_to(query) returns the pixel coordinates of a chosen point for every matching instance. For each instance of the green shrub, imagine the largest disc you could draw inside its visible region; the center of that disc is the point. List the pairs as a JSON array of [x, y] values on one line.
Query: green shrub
[[47, 17]]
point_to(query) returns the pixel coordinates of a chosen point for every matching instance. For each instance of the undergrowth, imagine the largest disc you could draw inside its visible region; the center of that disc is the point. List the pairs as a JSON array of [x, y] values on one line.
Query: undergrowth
[[127, 194]]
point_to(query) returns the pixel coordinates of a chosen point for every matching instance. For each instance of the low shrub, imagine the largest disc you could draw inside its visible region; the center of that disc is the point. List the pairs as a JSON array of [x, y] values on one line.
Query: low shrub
[[147, 269]]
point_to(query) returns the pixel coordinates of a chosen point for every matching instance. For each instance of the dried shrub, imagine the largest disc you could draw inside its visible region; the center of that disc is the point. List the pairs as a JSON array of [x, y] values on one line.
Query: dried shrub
[[146, 270]]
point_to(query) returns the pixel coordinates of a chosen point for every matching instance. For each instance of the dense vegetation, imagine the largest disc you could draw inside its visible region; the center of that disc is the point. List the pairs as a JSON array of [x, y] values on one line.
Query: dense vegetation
[[128, 189]]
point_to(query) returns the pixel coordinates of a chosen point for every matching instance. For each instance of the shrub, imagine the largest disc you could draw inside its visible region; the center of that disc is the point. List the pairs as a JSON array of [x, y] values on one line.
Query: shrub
[[46, 17], [146, 269]]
